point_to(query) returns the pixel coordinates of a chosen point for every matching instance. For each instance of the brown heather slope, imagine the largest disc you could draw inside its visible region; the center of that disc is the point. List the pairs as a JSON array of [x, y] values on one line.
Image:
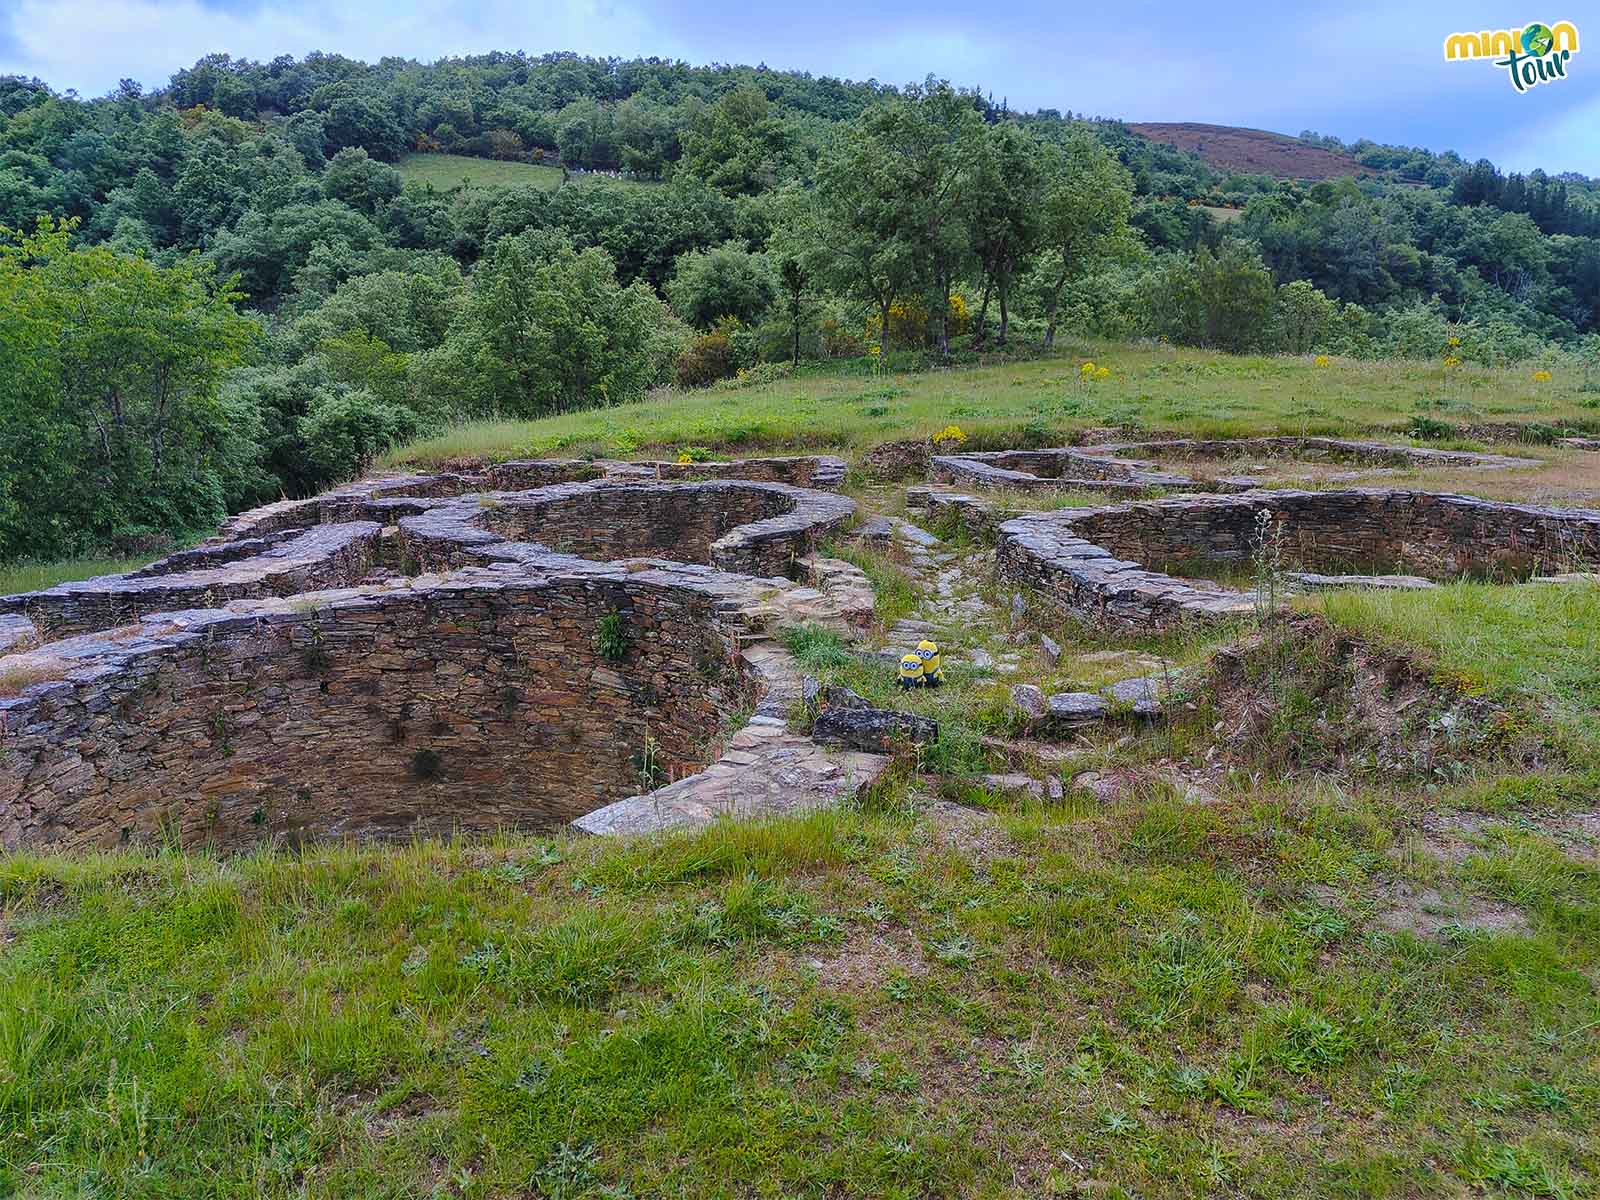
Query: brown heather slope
[[1251, 151]]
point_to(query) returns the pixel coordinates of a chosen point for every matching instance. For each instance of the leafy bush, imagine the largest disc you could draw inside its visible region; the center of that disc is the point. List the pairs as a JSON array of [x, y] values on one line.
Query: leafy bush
[[708, 359], [727, 281], [346, 430]]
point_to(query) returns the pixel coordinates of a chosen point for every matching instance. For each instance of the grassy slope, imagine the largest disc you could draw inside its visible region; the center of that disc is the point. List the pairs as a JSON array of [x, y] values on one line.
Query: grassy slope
[[1132, 997], [33, 576], [1162, 388], [1139, 996], [446, 171]]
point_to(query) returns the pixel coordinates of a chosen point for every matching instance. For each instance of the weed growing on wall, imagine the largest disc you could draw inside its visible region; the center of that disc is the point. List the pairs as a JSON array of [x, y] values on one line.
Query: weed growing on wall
[[611, 637]]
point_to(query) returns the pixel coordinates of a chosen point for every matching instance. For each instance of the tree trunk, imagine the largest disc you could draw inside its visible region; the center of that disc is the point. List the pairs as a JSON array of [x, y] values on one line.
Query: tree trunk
[[1005, 316], [883, 329], [1055, 300], [944, 323], [983, 310]]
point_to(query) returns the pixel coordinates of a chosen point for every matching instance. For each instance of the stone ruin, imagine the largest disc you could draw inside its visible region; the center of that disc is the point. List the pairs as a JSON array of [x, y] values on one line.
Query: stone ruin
[[549, 642], [1123, 564], [1134, 467], [520, 646]]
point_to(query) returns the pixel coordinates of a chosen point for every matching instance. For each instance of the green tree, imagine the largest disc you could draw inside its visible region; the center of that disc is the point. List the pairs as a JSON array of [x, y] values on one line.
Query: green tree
[[727, 281], [111, 422], [1005, 223], [1306, 319], [552, 329], [1088, 197]]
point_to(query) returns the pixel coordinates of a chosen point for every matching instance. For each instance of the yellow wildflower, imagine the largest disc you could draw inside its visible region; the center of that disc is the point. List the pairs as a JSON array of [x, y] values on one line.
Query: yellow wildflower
[[1450, 360], [950, 433], [685, 457], [1323, 360], [1102, 373], [1454, 342], [1541, 376]]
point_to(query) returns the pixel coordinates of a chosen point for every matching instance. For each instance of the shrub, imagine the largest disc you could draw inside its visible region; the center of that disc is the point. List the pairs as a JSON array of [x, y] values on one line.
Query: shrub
[[727, 281], [611, 637], [345, 431], [708, 359]]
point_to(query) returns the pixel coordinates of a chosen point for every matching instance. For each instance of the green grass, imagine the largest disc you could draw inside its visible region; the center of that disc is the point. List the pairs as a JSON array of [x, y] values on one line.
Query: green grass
[[1142, 996], [1540, 642], [32, 576], [447, 171], [1038, 401], [1142, 999]]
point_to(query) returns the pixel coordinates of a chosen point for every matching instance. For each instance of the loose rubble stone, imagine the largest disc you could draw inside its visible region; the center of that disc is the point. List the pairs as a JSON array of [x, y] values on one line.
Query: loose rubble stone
[[1011, 784], [1068, 710], [1144, 695], [1050, 649], [1029, 701]]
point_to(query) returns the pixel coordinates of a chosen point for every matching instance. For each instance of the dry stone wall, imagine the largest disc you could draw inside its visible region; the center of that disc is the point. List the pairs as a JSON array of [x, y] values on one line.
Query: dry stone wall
[[762, 529], [1111, 467], [469, 702], [314, 681], [1108, 563], [324, 556]]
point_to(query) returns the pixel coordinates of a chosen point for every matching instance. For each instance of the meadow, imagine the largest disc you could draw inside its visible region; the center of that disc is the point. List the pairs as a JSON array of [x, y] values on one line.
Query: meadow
[[1289, 981], [448, 171], [849, 407]]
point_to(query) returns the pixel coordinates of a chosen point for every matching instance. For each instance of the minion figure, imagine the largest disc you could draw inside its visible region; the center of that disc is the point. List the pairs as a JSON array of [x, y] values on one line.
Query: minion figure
[[911, 672], [932, 664]]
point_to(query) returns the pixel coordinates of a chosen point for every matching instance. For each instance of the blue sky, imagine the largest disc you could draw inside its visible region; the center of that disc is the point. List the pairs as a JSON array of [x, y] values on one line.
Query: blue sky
[[1353, 69]]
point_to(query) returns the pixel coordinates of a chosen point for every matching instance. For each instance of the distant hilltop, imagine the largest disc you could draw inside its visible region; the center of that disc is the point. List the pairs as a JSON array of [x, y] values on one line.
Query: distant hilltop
[[1252, 151]]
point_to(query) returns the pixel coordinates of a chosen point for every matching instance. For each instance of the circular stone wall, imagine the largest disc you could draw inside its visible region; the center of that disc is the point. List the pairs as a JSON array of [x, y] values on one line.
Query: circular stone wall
[[473, 702], [1115, 562], [226, 695], [759, 529], [1128, 466]]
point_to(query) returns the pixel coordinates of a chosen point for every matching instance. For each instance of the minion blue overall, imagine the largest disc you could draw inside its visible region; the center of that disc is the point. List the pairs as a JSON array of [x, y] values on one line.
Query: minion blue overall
[[911, 672]]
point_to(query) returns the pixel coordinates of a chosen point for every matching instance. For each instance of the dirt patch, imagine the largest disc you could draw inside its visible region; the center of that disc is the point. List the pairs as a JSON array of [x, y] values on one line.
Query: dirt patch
[[1309, 697], [1427, 912], [972, 834], [1454, 836], [868, 958]]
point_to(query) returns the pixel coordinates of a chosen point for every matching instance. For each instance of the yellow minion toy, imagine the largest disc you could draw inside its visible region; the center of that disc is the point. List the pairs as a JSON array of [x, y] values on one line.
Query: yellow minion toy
[[932, 664], [911, 675]]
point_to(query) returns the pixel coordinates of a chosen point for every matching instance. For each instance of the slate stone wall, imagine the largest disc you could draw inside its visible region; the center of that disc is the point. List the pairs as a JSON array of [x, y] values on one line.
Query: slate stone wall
[[463, 704], [1106, 563]]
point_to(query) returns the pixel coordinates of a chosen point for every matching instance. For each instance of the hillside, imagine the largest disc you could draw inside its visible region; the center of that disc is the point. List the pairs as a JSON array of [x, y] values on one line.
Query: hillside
[[1251, 151]]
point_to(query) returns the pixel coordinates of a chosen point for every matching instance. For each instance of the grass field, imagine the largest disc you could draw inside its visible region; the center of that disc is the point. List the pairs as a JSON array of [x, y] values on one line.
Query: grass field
[[1295, 983], [447, 171], [33, 576], [1151, 387]]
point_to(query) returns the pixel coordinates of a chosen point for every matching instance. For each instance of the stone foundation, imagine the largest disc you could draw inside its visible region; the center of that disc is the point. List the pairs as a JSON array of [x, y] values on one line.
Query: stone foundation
[[363, 501], [225, 695], [1112, 563], [321, 557], [1129, 466], [751, 528]]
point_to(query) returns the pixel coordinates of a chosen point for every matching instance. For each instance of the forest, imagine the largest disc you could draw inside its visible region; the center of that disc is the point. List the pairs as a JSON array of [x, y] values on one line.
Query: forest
[[227, 290]]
